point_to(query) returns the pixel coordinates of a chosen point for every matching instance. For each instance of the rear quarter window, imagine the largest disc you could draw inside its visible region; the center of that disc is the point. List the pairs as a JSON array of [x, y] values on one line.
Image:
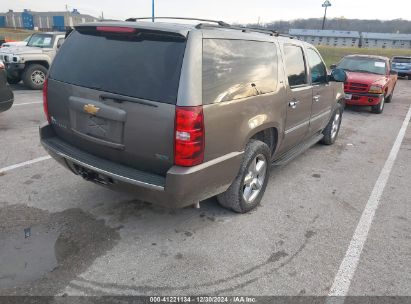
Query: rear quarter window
[[143, 66], [235, 69]]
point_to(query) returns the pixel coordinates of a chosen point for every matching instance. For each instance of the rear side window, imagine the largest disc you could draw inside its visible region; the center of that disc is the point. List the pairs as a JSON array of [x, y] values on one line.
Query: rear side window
[[145, 66], [295, 65], [234, 69]]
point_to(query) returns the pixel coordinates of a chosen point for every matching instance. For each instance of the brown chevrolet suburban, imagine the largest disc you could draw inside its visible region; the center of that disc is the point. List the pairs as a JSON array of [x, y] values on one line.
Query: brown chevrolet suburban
[[178, 113]]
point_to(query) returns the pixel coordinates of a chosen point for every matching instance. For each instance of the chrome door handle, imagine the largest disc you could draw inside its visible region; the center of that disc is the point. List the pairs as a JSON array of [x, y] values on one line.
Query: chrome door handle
[[316, 98], [293, 103]]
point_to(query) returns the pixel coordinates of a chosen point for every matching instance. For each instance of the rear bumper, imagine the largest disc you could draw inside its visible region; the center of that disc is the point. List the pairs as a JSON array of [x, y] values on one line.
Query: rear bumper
[[5, 105], [180, 187], [364, 99]]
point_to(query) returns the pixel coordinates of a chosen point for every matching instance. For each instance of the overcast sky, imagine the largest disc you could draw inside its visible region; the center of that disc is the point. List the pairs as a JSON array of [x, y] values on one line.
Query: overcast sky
[[241, 11]]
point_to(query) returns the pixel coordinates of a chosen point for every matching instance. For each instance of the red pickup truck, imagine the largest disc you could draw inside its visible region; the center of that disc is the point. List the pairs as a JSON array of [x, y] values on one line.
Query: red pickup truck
[[370, 81]]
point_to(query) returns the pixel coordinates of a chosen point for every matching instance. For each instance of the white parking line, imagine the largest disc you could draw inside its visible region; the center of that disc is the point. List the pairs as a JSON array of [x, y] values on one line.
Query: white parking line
[[342, 280], [26, 103], [29, 162]]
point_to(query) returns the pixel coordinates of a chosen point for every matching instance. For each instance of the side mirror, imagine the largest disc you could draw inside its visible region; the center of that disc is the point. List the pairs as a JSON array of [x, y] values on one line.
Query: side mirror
[[338, 75], [333, 66], [68, 31], [60, 43]]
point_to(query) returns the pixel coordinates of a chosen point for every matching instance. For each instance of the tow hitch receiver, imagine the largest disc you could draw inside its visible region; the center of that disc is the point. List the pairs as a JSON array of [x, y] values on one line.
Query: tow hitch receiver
[[92, 176]]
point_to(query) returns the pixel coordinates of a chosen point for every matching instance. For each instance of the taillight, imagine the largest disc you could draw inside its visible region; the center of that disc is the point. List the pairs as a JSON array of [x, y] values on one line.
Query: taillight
[[189, 136], [45, 101], [116, 29]]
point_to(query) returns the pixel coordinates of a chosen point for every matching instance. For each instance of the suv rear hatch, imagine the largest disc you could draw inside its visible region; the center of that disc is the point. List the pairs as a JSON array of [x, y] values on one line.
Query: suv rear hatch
[[112, 93]]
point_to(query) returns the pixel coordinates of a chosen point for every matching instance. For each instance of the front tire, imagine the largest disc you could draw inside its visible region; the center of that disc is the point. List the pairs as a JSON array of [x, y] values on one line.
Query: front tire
[[389, 98], [13, 80], [379, 108], [34, 76], [333, 128], [247, 190]]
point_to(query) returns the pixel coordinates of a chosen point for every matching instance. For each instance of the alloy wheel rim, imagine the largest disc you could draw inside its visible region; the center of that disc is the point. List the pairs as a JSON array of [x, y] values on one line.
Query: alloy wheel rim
[[38, 77], [254, 179], [335, 125]]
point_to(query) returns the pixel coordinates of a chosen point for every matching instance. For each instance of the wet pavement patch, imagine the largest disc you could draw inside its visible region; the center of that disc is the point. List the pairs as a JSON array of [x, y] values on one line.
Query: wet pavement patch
[[41, 252]]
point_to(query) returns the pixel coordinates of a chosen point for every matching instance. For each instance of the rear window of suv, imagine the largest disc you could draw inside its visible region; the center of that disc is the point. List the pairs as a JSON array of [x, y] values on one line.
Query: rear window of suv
[[143, 65]]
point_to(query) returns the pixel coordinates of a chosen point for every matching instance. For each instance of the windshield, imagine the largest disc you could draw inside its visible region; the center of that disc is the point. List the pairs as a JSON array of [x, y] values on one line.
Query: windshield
[[41, 40], [364, 65], [401, 59]]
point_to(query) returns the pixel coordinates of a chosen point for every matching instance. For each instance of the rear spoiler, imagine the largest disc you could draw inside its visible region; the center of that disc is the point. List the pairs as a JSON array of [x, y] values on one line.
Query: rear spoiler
[[123, 29], [172, 29]]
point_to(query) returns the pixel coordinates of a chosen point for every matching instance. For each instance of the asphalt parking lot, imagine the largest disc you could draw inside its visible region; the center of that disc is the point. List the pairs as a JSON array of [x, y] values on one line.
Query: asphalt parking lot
[[86, 240]]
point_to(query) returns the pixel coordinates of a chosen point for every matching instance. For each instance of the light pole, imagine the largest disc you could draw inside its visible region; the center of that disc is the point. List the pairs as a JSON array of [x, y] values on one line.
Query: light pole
[[152, 10], [326, 4]]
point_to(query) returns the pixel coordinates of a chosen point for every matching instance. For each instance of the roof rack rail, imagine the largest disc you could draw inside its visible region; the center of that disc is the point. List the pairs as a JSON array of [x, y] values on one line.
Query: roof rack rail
[[286, 35], [248, 29], [258, 30], [219, 22], [240, 28], [265, 30]]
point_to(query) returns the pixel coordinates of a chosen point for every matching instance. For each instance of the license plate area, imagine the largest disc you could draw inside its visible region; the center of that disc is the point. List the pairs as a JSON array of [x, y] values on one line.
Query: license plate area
[[98, 127], [348, 96], [97, 122]]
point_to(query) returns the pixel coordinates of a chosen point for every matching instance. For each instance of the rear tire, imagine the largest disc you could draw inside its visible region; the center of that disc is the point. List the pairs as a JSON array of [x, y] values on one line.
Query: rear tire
[[379, 108], [333, 128], [248, 188], [409, 77], [34, 76]]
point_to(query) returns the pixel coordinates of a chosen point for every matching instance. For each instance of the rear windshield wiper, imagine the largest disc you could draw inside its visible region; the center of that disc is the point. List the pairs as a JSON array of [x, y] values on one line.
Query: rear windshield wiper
[[120, 99]]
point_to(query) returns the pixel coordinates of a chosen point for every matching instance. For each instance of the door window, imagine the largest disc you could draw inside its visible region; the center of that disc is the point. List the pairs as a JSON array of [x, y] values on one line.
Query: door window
[[317, 67], [295, 65]]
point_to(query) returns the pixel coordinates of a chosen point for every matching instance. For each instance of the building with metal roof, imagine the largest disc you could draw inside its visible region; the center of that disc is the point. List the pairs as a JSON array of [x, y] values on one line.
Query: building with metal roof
[[327, 37], [352, 38], [43, 20], [384, 40]]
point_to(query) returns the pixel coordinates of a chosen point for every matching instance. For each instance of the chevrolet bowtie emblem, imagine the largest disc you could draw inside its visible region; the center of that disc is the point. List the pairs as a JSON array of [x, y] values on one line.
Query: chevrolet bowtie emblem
[[91, 109]]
